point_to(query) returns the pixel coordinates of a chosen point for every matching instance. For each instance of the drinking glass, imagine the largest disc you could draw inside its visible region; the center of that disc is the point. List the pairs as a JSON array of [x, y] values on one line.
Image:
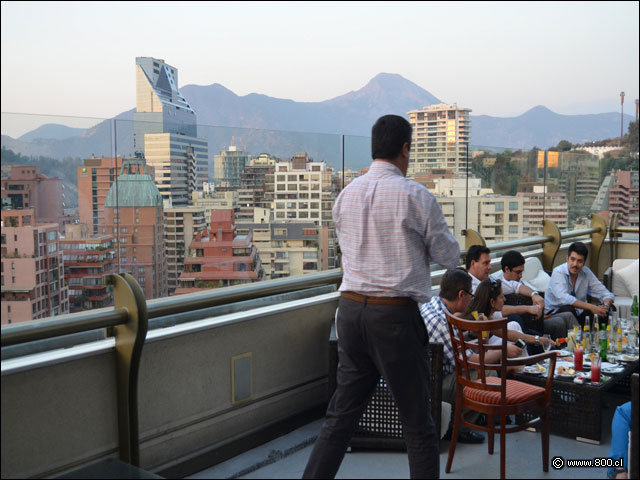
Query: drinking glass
[[595, 369], [547, 346], [615, 320], [578, 357]]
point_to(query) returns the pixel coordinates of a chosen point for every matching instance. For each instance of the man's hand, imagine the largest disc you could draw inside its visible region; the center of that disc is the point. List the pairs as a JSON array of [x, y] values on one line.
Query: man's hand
[[536, 310], [513, 351], [599, 309], [544, 341], [538, 300]]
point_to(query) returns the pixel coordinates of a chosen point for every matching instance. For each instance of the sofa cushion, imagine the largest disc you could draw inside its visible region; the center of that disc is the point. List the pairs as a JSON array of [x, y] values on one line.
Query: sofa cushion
[[627, 276], [534, 275]]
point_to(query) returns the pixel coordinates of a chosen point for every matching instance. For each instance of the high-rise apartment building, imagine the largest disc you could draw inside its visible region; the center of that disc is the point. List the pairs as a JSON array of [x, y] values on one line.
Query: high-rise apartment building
[[252, 192], [33, 284], [580, 180], [180, 227], [165, 132], [228, 168], [440, 138], [95, 177], [497, 218], [180, 165], [286, 249], [619, 194], [226, 200], [303, 191], [87, 260], [134, 215], [540, 205], [220, 257], [26, 187]]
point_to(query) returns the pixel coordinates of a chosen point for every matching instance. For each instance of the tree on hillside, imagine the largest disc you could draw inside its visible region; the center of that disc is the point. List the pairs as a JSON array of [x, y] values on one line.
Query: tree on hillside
[[505, 175]]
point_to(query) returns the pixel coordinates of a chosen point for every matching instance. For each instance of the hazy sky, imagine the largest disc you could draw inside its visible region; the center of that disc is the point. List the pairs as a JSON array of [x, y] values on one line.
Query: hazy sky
[[500, 59]]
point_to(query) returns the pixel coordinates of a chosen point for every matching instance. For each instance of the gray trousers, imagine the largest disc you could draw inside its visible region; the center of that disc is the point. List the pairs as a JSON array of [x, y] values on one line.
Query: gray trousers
[[559, 324], [375, 340]]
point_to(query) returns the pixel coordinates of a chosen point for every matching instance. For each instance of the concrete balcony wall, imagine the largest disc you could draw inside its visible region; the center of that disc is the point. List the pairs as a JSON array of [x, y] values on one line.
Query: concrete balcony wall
[[59, 408]]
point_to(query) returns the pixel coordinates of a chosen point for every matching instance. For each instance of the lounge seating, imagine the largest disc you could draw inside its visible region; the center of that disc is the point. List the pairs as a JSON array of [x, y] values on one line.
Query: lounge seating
[[534, 275], [622, 280]]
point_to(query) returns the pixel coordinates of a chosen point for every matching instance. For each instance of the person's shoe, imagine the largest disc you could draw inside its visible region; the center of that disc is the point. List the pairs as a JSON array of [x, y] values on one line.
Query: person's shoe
[[466, 437], [482, 420], [470, 437]]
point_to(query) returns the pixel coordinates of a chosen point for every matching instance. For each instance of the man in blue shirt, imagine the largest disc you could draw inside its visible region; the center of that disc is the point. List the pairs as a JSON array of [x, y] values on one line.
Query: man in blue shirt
[[570, 284]]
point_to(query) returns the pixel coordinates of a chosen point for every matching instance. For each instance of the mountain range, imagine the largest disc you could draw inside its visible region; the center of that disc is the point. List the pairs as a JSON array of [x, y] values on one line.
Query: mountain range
[[259, 123]]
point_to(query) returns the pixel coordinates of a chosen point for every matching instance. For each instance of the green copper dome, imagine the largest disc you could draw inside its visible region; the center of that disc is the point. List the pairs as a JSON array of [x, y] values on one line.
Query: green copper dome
[[135, 187]]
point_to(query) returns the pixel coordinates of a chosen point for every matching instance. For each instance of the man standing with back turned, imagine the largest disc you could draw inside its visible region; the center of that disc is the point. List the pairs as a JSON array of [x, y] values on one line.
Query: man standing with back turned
[[389, 229]]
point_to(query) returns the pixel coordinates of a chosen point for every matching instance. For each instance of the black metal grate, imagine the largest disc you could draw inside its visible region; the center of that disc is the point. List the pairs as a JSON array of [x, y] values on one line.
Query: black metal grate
[[380, 426]]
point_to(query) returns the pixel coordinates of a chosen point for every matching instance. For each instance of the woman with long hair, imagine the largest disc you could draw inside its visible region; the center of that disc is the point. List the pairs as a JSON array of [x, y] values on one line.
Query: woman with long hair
[[488, 300]]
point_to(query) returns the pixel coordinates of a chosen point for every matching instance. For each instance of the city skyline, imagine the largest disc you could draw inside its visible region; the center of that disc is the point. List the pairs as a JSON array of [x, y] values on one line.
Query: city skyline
[[571, 58]]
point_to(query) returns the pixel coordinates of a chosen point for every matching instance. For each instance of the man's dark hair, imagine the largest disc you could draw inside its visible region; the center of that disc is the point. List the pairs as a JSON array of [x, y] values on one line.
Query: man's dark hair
[[511, 259], [388, 135], [580, 248], [452, 282], [474, 253]]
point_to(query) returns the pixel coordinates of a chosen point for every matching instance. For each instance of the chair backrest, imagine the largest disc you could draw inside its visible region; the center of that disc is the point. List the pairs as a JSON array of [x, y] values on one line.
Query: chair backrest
[[470, 336], [534, 275]]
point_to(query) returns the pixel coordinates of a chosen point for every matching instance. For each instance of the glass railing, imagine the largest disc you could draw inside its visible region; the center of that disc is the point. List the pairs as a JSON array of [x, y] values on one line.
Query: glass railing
[[268, 193]]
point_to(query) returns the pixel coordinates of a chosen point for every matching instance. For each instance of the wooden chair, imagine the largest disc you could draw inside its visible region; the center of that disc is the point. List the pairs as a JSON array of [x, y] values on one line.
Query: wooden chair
[[495, 396]]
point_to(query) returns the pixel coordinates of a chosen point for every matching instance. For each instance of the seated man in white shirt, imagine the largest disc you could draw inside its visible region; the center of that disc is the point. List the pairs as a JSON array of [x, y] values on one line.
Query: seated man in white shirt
[[557, 325], [478, 264]]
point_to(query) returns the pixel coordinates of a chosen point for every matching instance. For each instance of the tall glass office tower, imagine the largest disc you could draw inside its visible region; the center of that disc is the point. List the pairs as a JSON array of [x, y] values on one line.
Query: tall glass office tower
[[165, 132]]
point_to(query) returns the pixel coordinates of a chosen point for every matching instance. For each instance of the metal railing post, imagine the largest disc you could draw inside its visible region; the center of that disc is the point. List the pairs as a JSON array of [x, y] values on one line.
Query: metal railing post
[[130, 338], [550, 249], [597, 239], [471, 237], [613, 237]]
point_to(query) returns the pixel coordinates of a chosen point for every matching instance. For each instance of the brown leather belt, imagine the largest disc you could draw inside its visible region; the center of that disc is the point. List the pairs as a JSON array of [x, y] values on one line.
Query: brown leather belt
[[399, 301]]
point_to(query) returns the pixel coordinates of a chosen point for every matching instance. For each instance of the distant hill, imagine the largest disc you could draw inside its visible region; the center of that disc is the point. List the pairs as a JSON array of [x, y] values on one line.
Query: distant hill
[[265, 124], [51, 131], [540, 127]]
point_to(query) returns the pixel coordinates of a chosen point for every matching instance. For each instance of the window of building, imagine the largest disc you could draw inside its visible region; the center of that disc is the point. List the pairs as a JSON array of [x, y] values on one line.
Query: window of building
[[500, 207], [513, 205], [513, 229], [513, 217]]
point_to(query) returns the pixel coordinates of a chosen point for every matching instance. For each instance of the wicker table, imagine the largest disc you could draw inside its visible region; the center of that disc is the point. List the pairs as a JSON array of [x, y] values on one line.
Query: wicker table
[[379, 426], [576, 410]]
